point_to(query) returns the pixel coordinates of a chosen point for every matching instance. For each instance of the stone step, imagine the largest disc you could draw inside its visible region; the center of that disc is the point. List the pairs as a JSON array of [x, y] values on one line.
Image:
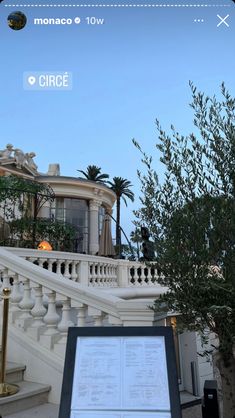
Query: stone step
[[47, 410], [187, 400], [30, 395], [15, 372]]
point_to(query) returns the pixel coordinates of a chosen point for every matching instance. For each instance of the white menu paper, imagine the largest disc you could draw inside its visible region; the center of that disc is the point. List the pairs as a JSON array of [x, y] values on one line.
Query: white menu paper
[[120, 415], [97, 374], [145, 380], [122, 377]]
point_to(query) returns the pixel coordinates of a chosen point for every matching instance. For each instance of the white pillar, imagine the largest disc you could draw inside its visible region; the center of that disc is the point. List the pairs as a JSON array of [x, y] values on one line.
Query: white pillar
[[94, 226]]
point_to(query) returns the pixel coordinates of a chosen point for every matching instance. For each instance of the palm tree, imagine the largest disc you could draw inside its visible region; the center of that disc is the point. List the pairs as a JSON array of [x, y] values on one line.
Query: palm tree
[[93, 173], [121, 187], [137, 239]]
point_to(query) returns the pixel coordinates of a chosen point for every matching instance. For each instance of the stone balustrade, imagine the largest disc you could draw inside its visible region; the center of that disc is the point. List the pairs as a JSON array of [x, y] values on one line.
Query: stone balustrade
[[44, 304], [92, 271], [140, 274]]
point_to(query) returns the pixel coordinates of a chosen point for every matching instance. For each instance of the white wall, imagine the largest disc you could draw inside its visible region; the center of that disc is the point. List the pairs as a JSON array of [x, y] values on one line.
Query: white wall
[[40, 368]]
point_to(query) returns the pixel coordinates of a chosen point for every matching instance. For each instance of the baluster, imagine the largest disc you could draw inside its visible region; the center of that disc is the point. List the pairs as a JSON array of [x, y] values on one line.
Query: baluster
[[50, 264], [110, 274], [39, 309], [101, 274], [66, 274], [81, 315], [16, 296], [74, 274], [142, 276], [115, 275], [92, 275], [65, 322], [51, 318], [157, 275], [98, 275], [135, 277], [22, 317], [104, 274], [106, 277], [148, 276], [129, 276], [41, 261], [26, 302], [58, 266], [38, 313]]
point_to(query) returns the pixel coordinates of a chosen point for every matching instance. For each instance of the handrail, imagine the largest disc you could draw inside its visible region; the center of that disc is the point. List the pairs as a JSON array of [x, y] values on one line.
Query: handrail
[[28, 252], [91, 270], [59, 284]]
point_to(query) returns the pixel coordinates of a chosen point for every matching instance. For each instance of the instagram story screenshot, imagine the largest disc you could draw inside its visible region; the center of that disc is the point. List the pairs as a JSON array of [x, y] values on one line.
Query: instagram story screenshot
[[117, 188]]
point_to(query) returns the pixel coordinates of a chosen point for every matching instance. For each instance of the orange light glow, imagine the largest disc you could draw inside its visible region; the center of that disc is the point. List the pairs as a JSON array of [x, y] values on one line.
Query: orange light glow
[[44, 245]]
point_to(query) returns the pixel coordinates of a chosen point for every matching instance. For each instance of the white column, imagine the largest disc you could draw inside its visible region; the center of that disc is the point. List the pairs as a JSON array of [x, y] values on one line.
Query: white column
[[94, 226], [85, 244]]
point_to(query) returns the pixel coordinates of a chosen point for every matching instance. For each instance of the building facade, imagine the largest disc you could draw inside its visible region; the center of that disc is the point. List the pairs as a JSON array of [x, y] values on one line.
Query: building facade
[[78, 202]]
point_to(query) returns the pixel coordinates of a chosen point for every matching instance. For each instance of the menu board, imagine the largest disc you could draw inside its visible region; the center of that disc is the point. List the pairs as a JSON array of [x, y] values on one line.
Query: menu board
[[125, 373], [118, 415], [119, 376]]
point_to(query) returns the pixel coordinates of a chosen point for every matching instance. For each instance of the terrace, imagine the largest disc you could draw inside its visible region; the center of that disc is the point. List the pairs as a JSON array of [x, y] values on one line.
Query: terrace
[[54, 290]]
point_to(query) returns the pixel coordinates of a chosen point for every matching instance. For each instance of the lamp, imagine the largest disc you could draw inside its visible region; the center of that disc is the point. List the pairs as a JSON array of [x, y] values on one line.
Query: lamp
[[45, 245]]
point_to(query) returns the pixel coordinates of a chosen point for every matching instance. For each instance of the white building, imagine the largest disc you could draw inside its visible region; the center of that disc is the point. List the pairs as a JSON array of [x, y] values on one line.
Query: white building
[[52, 290], [79, 202]]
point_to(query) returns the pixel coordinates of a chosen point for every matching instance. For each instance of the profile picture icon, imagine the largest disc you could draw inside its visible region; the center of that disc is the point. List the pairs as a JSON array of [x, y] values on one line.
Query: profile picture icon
[[16, 20]]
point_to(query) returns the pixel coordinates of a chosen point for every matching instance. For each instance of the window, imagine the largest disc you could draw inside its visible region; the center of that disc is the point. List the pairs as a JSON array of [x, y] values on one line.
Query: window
[[75, 212]]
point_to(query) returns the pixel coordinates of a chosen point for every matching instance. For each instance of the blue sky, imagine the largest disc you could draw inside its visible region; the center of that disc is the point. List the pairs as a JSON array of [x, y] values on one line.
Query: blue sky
[[126, 73]]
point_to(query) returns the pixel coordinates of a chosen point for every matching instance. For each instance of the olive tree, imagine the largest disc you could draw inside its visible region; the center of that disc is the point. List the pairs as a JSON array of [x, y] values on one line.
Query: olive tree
[[190, 213], [21, 200]]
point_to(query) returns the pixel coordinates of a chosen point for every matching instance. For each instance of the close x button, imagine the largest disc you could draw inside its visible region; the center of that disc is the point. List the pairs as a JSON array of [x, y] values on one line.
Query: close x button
[[223, 20]]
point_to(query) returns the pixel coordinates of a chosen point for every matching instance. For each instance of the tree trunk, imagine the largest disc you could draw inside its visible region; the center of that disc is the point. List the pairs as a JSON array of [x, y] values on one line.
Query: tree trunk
[[118, 232], [226, 385], [138, 251]]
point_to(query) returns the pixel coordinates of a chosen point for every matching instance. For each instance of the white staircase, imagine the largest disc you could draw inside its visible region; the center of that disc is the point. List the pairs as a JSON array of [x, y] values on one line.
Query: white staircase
[[47, 410], [30, 395], [51, 292]]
